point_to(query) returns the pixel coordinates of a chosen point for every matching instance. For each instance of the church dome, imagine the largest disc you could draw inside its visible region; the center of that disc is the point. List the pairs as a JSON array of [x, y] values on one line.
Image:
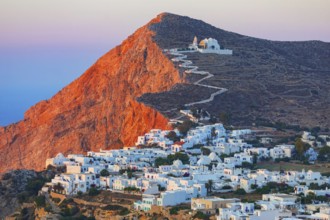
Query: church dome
[[60, 155], [177, 163]]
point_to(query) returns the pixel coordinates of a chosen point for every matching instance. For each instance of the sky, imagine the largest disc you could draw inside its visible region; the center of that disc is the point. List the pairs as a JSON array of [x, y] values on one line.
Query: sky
[[45, 45]]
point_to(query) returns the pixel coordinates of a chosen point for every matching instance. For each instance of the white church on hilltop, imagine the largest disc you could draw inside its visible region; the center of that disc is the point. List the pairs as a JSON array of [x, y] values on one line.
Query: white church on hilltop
[[208, 45]]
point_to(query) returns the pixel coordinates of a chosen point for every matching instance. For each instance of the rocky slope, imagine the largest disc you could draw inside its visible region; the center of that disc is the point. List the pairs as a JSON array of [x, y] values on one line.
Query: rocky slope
[[267, 81], [98, 110]]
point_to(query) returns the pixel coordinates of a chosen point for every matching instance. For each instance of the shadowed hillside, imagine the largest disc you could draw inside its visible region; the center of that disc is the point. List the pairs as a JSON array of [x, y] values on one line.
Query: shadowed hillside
[[266, 80]]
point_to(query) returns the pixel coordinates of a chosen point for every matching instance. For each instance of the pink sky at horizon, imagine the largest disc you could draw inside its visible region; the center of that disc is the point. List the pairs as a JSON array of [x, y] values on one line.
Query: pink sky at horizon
[[79, 22], [45, 45]]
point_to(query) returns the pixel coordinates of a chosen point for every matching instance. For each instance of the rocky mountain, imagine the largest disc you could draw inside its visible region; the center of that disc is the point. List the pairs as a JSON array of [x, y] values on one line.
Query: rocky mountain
[[136, 87], [98, 110]]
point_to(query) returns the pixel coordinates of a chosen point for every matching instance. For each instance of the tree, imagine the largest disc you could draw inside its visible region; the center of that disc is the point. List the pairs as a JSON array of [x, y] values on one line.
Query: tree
[[172, 157], [34, 185], [129, 174], [255, 158], [160, 161], [301, 147], [172, 136], [104, 172], [213, 133], [209, 186], [254, 186], [247, 165], [93, 192], [205, 151], [186, 126], [240, 192], [178, 156]]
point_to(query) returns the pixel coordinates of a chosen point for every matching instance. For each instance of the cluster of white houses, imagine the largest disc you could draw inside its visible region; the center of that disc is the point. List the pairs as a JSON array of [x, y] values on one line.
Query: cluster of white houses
[[172, 184], [272, 206]]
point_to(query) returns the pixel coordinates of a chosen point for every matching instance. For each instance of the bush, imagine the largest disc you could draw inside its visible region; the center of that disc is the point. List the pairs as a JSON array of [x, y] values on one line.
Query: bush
[[205, 151], [23, 197], [247, 165], [186, 126], [176, 209], [93, 192], [124, 211], [172, 157], [172, 136], [34, 185], [285, 159], [70, 211], [40, 201], [240, 192], [201, 215], [254, 186]]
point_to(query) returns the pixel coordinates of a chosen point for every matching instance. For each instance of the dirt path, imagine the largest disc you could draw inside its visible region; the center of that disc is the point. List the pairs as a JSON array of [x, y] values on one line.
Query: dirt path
[[187, 64]]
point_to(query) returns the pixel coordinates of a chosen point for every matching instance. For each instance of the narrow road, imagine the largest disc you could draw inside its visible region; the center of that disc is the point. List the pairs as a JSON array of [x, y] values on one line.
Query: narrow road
[[194, 69]]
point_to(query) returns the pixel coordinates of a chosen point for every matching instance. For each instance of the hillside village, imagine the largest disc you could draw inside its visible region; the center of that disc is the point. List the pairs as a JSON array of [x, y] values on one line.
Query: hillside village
[[199, 170], [169, 168], [196, 165]]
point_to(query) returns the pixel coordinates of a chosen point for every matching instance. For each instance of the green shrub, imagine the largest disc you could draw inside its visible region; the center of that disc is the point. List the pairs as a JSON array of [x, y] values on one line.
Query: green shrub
[[40, 201], [124, 211], [93, 192], [240, 192], [201, 215]]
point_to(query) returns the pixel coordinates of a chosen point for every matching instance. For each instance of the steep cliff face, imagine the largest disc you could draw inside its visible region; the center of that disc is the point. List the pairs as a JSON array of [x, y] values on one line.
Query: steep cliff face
[[98, 110]]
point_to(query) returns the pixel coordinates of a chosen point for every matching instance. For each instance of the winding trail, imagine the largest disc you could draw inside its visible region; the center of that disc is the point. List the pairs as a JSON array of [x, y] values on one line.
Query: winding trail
[[194, 69]]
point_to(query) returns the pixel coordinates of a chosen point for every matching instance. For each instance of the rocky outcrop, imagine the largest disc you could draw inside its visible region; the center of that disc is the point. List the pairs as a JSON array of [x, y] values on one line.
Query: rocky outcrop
[[98, 110], [11, 185]]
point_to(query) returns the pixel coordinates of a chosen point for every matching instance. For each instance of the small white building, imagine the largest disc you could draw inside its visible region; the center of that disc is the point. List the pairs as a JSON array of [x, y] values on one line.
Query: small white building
[[281, 151], [208, 45]]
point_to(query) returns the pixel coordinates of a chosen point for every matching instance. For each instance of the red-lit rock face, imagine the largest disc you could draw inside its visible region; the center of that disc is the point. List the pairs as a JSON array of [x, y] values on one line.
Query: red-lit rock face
[[98, 110]]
